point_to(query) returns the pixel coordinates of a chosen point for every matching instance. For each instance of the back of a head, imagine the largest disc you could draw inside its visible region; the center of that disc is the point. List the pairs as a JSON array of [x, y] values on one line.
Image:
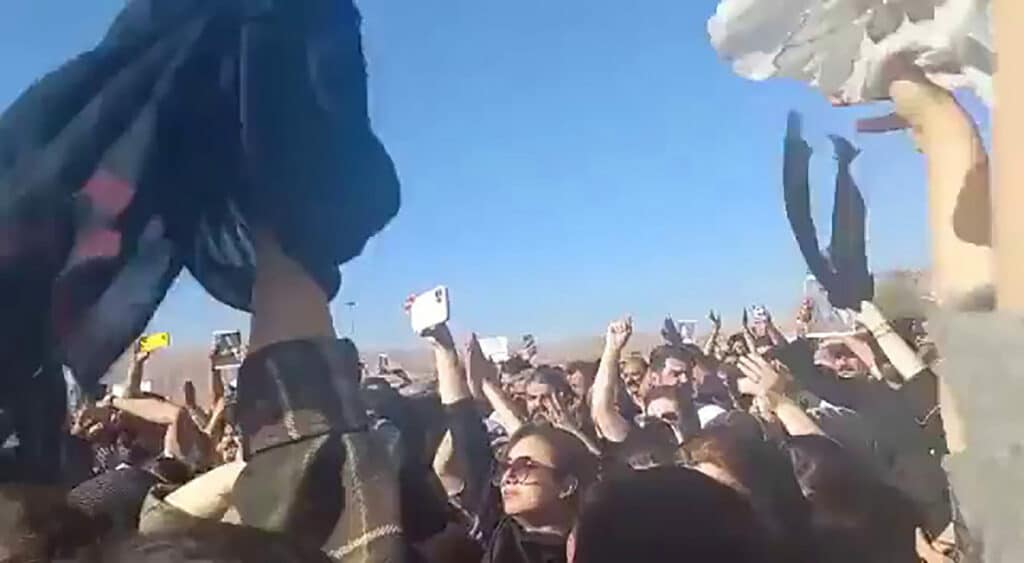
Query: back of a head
[[667, 514], [661, 354], [856, 516], [653, 444], [214, 543], [763, 473], [551, 376]]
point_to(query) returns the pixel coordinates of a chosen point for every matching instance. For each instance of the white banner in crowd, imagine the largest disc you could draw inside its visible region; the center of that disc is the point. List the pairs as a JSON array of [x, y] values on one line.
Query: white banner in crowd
[[842, 46]]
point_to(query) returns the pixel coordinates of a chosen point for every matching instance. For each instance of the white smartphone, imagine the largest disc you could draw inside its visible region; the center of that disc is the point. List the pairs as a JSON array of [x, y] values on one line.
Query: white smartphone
[[496, 348], [227, 349], [688, 330], [429, 309]]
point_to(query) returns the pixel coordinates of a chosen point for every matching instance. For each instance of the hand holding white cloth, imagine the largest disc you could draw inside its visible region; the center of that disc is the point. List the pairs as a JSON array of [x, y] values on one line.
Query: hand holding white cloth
[[842, 46]]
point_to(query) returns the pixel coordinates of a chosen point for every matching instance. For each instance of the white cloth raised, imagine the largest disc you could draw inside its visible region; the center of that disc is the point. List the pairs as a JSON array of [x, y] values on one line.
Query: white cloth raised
[[841, 46]]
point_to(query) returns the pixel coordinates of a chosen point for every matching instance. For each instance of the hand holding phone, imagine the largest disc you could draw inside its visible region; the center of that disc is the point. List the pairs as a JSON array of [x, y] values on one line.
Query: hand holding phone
[[152, 342], [429, 310], [227, 349]]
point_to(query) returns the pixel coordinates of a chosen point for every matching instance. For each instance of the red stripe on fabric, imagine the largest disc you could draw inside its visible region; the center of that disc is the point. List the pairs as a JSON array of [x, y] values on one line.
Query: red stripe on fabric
[[109, 193], [96, 243]]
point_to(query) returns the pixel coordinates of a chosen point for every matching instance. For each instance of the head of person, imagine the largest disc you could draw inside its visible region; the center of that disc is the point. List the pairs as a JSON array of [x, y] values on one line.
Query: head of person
[[545, 472], [633, 371], [855, 515], [671, 365], [653, 443], [544, 384], [580, 375], [665, 514], [667, 404], [838, 357], [733, 454]]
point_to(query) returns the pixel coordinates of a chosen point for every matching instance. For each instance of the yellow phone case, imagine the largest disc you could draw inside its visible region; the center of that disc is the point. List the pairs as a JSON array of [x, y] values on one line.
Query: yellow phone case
[[153, 342]]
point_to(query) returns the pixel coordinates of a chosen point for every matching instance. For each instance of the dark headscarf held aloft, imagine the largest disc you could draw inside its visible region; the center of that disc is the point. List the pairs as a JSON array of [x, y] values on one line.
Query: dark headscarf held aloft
[[844, 272], [159, 149]]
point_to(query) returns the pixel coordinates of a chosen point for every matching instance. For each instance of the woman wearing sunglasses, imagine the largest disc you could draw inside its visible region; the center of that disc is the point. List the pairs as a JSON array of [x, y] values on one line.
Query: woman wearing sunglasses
[[542, 479]]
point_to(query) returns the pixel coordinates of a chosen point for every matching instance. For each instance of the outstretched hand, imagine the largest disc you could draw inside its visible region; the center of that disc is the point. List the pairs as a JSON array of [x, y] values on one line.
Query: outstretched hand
[[716, 320], [670, 332], [760, 376], [438, 335], [479, 368]]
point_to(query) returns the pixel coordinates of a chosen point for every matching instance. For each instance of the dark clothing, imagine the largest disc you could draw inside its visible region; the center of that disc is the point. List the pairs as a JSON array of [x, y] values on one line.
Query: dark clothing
[[132, 161], [479, 502], [116, 495], [906, 431], [510, 543]]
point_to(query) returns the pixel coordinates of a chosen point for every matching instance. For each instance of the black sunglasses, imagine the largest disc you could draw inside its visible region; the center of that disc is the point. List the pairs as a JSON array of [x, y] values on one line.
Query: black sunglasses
[[518, 469]]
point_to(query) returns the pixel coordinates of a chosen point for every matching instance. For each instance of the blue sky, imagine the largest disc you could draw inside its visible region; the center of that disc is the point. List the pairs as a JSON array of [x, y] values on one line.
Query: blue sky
[[562, 163]]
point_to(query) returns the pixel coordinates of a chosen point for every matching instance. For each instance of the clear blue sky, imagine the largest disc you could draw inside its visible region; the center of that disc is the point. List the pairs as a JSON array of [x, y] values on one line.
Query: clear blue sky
[[562, 163]]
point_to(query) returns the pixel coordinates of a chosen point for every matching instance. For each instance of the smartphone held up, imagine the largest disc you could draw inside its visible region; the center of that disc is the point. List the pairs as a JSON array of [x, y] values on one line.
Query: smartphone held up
[[429, 309], [227, 349]]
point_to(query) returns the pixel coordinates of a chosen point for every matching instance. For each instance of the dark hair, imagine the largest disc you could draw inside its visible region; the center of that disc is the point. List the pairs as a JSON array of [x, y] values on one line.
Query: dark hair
[[587, 367], [667, 514], [689, 422], [554, 377], [661, 355], [765, 477], [211, 542], [856, 516], [651, 444], [572, 457]]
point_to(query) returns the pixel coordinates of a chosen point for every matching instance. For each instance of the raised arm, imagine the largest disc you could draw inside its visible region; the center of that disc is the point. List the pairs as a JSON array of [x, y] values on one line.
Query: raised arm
[[711, 344], [900, 354], [136, 370], [603, 409], [451, 379], [483, 377], [959, 212], [765, 382], [216, 382]]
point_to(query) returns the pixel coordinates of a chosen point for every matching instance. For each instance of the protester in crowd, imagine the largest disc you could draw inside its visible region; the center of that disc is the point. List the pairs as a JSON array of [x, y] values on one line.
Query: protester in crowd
[[667, 514]]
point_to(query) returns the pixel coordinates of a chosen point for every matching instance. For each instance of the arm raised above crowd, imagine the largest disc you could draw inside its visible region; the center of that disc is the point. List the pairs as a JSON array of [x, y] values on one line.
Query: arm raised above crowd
[[610, 423], [959, 204]]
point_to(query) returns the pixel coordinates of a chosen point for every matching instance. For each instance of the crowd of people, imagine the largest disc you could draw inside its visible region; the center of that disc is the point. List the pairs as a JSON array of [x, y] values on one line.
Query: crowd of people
[[754, 446]]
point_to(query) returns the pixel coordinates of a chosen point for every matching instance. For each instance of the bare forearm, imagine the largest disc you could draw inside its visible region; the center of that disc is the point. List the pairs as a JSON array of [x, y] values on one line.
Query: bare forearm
[[135, 374], [451, 379], [793, 418], [504, 408], [958, 189], [286, 303], [216, 386], [603, 410], [152, 410], [711, 344]]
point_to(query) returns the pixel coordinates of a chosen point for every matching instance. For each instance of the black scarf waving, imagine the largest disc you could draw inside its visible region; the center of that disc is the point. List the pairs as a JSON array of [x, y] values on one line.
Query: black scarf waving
[[159, 148], [844, 273]]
